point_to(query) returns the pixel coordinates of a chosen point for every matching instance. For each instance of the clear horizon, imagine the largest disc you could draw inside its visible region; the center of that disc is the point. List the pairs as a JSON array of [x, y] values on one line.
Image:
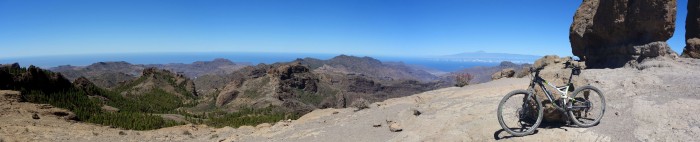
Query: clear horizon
[[365, 27]]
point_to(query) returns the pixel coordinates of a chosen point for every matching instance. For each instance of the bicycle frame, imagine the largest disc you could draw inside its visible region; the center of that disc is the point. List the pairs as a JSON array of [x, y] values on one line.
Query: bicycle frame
[[564, 90]]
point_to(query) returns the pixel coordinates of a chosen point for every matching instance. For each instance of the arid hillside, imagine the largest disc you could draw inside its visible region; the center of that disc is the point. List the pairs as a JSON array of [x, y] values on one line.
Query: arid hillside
[[653, 103]]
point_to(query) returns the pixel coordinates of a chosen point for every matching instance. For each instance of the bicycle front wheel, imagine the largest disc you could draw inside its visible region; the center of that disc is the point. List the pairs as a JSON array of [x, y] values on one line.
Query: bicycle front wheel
[[520, 113], [587, 107]]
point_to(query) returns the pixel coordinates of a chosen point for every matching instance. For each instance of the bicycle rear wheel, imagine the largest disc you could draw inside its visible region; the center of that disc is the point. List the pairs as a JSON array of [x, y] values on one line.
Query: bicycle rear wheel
[[588, 106], [519, 113]]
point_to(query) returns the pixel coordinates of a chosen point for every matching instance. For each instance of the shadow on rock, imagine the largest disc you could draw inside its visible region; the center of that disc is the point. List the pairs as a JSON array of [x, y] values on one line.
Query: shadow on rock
[[502, 134], [497, 135]]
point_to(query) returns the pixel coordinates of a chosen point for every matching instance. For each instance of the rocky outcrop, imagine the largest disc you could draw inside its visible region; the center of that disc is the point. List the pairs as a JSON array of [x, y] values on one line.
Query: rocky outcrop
[[617, 33], [692, 30], [505, 73], [552, 69], [292, 79], [153, 78]]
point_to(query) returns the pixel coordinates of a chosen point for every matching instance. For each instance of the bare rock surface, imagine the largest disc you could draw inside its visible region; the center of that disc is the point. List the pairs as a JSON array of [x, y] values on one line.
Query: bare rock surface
[[656, 102], [617, 33]]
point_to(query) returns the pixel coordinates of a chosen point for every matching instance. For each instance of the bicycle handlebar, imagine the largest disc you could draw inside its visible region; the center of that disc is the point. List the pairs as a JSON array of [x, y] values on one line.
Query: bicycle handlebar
[[570, 64], [567, 64]]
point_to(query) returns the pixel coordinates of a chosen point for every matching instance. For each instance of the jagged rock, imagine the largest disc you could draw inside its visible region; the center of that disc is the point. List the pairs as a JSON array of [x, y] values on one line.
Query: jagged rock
[[35, 116], [552, 69], [692, 30], [505, 73], [293, 77], [617, 33]]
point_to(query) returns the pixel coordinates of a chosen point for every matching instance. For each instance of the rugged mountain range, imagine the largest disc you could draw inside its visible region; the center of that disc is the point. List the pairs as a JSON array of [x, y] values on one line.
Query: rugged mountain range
[[199, 68], [110, 74], [369, 67], [112, 93], [306, 84], [130, 105], [484, 74]]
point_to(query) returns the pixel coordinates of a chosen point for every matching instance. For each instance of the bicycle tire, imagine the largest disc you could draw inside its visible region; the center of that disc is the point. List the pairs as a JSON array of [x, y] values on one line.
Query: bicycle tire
[[532, 128], [602, 105]]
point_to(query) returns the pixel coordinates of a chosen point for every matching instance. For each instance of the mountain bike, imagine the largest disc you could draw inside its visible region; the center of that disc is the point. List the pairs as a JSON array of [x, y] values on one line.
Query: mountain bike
[[520, 112]]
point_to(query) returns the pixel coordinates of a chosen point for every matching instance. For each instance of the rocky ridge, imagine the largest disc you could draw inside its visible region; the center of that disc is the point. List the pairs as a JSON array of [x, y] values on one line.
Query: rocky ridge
[[300, 88], [111, 74]]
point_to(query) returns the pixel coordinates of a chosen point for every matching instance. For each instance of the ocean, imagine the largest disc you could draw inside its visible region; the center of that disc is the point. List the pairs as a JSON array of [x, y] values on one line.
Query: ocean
[[251, 58]]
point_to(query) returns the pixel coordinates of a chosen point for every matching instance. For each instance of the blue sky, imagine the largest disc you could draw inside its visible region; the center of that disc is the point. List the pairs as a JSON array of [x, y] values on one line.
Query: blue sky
[[361, 27]]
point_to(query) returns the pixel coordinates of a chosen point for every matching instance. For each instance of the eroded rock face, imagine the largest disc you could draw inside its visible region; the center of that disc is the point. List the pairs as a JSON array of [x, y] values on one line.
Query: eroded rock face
[[616, 33], [692, 30], [292, 78], [552, 70]]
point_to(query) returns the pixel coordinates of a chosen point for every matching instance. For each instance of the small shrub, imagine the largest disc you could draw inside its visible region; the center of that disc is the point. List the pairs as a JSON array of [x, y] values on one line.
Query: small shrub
[[463, 79]]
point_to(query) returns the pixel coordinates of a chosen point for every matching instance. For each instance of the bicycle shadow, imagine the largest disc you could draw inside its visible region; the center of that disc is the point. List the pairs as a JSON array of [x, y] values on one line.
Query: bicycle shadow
[[502, 134]]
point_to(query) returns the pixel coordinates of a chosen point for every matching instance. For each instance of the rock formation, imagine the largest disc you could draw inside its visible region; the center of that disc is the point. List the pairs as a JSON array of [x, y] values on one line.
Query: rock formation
[[692, 30], [152, 79], [552, 70], [616, 33], [505, 73]]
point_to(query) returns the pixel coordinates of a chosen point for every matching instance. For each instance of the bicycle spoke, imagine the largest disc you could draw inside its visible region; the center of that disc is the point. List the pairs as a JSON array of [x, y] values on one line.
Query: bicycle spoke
[[589, 106], [515, 114]]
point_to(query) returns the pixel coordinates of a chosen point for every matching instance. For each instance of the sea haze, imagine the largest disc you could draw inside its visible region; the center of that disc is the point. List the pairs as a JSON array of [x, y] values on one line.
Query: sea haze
[[440, 63]]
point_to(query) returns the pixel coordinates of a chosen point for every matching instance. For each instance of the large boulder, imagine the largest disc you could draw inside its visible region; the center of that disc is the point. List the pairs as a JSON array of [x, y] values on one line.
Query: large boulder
[[504, 73], [617, 33], [553, 70], [692, 30]]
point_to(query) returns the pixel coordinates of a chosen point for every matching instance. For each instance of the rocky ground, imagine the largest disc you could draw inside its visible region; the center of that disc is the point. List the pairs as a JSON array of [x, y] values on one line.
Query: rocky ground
[[654, 102]]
